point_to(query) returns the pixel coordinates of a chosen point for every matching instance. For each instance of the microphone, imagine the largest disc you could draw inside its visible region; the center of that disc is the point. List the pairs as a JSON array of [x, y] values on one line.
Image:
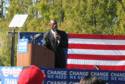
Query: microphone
[[56, 35], [36, 36], [58, 41]]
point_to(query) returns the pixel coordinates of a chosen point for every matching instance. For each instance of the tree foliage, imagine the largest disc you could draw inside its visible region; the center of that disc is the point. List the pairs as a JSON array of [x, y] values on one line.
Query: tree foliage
[[73, 16]]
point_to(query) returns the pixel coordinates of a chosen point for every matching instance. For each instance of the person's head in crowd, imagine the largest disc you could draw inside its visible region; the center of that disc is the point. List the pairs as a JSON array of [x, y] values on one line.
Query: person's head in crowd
[[53, 24], [92, 81], [31, 75], [85, 81]]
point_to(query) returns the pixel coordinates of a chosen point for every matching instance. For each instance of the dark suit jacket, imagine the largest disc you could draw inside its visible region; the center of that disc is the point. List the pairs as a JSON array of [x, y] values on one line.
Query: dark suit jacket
[[58, 48]]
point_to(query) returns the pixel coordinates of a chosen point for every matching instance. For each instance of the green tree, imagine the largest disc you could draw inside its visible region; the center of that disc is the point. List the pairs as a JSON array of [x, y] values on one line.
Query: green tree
[[74, 16]]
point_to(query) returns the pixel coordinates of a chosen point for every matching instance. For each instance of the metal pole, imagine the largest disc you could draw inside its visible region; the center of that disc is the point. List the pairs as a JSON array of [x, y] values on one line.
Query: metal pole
[[12, 47]]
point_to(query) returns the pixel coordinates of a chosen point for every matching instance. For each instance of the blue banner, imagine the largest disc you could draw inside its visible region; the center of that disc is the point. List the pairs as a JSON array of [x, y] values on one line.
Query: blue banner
[[64, 76], [9, 75]]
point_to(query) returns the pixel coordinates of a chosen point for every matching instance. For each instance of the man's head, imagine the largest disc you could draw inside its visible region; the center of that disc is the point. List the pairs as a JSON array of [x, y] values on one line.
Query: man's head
[[53, 24]]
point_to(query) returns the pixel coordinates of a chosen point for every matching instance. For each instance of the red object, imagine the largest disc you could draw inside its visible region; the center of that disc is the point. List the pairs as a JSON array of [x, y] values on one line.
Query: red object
[[31, 75], [89, 51]]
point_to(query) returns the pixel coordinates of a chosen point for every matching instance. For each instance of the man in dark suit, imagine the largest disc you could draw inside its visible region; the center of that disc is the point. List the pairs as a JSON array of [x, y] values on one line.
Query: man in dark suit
[[57, 41]]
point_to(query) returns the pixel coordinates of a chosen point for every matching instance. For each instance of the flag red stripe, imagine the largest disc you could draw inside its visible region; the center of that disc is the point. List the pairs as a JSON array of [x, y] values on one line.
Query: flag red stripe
[[96, 46], [95, 57], [94, 67], [95, 36]]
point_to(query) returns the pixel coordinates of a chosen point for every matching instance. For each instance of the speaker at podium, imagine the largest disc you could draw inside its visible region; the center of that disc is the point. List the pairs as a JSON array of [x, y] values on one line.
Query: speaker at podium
[[32, 54]]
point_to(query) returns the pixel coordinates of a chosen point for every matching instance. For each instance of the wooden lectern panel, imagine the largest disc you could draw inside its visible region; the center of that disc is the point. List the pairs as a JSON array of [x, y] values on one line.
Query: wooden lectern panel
[[37, 55]]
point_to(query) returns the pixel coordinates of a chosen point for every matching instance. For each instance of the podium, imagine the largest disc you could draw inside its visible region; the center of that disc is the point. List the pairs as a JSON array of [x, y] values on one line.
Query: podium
[[36, 55]]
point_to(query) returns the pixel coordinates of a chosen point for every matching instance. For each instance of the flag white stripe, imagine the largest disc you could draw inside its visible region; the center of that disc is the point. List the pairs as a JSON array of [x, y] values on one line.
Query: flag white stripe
[[96, 52], [96, 41], [95, 62]]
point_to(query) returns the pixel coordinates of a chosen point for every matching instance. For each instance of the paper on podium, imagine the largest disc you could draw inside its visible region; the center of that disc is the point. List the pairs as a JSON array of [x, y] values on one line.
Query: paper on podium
[[18, 20]]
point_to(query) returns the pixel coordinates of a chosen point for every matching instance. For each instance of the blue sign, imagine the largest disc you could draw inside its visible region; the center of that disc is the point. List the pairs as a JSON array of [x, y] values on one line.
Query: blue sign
[[9, 75], [22, 46], [32, 37], [73, 76]]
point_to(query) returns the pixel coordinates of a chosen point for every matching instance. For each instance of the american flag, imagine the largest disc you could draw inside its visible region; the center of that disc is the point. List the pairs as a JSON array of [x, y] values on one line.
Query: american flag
[[103, 52]]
